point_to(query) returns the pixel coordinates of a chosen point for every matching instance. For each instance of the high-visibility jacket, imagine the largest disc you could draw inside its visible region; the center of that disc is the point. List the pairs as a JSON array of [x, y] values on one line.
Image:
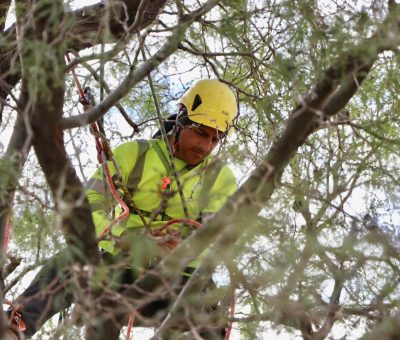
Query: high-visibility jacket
[[143, 166]]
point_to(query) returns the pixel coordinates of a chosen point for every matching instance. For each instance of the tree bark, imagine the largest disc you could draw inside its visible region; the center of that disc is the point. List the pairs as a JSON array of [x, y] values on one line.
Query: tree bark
[[86, 28], [227, 225]]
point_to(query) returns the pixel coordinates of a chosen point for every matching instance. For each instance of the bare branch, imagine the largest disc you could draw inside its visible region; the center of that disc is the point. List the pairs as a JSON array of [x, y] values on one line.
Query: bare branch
[[82, 24], [226, 226], [136, 75]]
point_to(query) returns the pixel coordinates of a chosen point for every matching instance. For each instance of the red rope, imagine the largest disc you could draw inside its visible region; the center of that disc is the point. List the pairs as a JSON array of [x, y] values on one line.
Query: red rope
[[119, 199], [100, 151], [78, 84], [100, 147], [130, 324], [188, 221]]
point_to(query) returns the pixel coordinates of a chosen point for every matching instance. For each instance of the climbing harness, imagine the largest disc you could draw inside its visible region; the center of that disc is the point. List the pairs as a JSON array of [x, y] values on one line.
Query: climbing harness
[[15, 317], [164, 236]]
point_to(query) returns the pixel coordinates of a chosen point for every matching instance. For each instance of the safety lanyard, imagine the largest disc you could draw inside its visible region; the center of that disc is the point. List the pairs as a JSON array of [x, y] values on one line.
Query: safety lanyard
[[166, 182]]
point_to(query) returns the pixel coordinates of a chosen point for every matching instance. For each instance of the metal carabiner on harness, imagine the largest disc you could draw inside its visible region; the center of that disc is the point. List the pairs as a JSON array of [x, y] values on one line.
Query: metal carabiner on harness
[[87, 98]]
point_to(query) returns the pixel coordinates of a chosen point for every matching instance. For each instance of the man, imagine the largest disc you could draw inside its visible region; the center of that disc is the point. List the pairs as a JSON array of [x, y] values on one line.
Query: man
[[157, 190]]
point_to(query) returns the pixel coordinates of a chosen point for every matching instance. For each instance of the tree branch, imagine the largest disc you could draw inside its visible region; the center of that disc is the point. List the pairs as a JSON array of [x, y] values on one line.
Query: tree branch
[[227, 225], [108, 91], [135, 75], [85, 29]]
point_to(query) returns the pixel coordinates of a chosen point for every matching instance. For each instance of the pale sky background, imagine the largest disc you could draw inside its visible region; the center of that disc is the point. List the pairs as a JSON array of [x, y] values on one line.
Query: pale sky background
[[355, 204]]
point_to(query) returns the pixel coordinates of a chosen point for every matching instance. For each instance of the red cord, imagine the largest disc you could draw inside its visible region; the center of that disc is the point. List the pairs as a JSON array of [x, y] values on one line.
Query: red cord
[[188, 221], [231, 315], [119, 199], [100, 150], [115, 194], [110, 182], [130, 324], [78, 84]]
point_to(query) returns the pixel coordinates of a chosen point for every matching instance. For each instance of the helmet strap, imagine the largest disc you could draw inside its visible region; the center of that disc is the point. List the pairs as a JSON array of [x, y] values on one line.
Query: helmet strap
[[175, 145], [178, 128]]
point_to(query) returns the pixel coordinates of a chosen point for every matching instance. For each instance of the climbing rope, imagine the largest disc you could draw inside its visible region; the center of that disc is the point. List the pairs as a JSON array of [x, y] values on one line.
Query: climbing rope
[[164, 236], [104, 153], [130, 324], [165, 138]]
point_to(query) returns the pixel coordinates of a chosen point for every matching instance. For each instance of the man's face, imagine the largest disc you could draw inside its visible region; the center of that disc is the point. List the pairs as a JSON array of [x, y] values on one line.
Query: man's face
[[196, 142]]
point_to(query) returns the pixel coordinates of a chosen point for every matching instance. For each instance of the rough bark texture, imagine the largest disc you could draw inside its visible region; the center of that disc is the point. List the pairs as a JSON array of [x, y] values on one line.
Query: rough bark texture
[[85, 29], [328, 96], [40, 109], [86, 24]]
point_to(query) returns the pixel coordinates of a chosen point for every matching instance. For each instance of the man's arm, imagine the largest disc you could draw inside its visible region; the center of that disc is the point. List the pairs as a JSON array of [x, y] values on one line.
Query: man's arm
[[98, 192], [215, 195]]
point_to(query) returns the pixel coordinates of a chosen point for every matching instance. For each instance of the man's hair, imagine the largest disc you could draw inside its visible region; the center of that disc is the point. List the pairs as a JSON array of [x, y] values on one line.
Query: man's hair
[[174, 123], [178, 120]]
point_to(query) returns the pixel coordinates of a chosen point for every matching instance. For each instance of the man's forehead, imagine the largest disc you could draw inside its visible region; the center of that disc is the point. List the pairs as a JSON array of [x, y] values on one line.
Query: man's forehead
[[210, 131]]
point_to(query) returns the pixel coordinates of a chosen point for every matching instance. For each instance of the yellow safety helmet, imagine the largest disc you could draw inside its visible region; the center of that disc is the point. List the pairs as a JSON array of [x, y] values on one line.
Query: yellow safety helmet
[[211, 103]]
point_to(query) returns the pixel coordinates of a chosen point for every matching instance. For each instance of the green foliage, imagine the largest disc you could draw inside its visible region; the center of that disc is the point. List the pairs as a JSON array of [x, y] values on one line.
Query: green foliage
[[312, 235], [34, 228]]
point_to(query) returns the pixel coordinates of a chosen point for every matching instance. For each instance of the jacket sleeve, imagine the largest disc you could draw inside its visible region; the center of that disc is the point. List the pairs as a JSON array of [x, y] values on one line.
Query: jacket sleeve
[[98, 192], [213, 197], [223, 187]]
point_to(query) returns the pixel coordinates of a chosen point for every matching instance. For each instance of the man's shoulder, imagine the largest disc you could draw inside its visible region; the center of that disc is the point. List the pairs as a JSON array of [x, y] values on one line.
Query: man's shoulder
[[218, 167], [131, 151], [142, 141], [213, 161], [135, 144]]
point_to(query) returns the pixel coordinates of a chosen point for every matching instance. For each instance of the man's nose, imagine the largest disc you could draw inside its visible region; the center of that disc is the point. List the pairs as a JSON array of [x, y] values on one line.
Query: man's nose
[[202, 146], [206, 143]]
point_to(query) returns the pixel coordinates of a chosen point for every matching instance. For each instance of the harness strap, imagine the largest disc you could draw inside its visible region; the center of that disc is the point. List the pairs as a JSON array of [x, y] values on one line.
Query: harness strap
[[148, 214], [162, 157], [166, 181], [137, 172]]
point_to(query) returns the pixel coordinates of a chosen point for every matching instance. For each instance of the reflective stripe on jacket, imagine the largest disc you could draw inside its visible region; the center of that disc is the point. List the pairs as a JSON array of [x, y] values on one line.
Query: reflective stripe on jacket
[[206, 187]]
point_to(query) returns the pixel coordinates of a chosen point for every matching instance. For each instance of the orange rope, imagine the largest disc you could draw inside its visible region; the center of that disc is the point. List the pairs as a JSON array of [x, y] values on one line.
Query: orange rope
[[130, 324], [169, 239], [103, 149], [77, 83], [188, 221], [119, 199]]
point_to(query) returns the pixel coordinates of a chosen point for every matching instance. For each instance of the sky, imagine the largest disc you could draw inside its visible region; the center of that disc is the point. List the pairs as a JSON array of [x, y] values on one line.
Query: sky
[[138, 332], [145, 334]]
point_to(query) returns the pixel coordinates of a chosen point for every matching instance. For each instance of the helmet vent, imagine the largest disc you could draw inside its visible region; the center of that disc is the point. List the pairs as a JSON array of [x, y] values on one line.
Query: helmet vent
[[197, 102]]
